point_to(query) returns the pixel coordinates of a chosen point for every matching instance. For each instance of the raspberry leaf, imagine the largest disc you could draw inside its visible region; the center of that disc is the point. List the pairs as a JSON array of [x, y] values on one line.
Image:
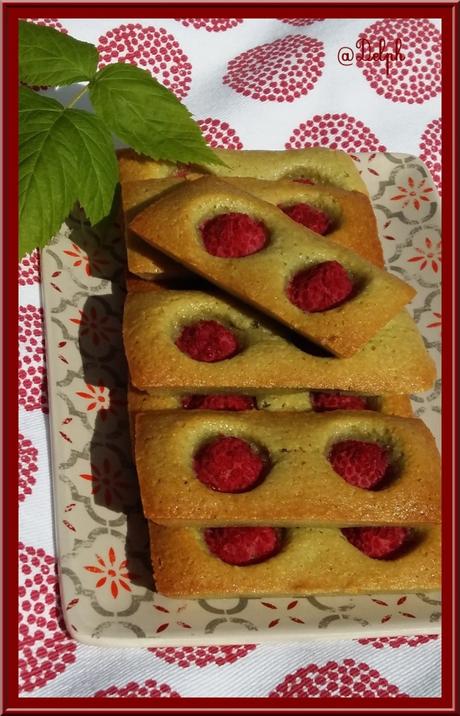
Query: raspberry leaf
[[147, 116], [65, 155], [49, 57], [47, 169], [97, 168]]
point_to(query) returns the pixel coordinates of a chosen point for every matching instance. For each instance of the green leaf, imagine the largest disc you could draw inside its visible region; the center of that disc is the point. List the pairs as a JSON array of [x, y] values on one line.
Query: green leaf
[[147, 116], [97, 168], [49, 57], [47, 169], [64, 155]]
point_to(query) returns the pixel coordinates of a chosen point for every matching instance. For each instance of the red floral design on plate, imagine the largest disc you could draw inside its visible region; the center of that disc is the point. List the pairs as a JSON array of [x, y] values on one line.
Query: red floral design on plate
[[107, 480], [279, 616], [343, 679], [437, 322], [32, 372], [219, 134], [302, 22], [413, 193], [111, 573], [430, 150], [45, 649], [429, 256], [29, 269], [171, 617], [91, 266], [68, 508], [336, 131], [27, 467], [398, 602], [104, 400], [149, 689], [95, 325], [417, 77], [66, 421], [211, 24], [279, 71], [387, 227], [396, 641], [150, 48], [200, 656]]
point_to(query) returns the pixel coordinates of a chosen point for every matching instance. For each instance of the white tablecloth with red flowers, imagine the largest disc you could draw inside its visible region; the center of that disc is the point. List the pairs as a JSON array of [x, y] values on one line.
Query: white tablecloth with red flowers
[[252, 84]]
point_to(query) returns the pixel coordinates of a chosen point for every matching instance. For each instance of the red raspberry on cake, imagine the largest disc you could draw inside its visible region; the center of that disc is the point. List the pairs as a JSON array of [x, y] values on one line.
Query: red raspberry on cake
[[233, 235], [324, 402], [362, 464], [320, 287], [229, 464], [309, 216], [208, 341], [377, 542], [219, 402], [243, 545]]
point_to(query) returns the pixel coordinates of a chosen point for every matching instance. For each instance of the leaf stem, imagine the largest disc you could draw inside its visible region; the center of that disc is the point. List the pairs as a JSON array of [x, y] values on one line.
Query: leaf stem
[[76, 97]]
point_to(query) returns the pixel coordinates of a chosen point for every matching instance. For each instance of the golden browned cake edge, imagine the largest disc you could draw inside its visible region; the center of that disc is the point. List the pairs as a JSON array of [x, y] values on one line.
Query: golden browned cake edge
[[171, 225], [301, 487], [394, 361], [143, 260], [312, 561], [321, 164], [354, 223]]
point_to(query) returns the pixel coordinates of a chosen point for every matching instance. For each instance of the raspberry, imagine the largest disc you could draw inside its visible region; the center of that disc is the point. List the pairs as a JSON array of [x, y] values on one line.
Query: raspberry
[[320, 287], [360, 463], [310, 217], [377, 542], [302, 180], [218, 402], [243, 545], [233, 235], [322, 402], [208, 341], [230, 465]]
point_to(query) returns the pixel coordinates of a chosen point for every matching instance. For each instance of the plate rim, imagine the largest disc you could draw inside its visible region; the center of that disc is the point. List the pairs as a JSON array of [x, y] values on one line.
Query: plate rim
[[179, 639]]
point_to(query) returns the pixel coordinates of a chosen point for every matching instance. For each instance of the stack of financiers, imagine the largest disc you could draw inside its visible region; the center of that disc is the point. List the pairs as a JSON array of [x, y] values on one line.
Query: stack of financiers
[[271, 357]]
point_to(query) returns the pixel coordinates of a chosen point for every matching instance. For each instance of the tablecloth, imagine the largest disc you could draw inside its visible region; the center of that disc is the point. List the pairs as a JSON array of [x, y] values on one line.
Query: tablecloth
[[253, 84]]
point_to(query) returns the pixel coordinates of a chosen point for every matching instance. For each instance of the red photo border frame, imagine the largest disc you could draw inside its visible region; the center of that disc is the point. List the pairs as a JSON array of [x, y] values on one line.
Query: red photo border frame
[[448, 13]]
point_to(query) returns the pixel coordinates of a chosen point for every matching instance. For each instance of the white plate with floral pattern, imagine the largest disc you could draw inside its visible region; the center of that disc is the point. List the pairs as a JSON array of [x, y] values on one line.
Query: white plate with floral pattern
[[106, 583]]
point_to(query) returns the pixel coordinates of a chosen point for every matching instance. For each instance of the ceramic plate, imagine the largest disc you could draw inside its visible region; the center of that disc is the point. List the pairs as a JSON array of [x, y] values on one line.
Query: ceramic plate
[[106, 584]]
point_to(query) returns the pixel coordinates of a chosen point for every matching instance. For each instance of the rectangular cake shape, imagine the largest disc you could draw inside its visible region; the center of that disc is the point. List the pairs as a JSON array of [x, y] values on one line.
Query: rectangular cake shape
[[394, 361], [172, 224], [353, 221], [300, 485], [319, 164], [312, 561]]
